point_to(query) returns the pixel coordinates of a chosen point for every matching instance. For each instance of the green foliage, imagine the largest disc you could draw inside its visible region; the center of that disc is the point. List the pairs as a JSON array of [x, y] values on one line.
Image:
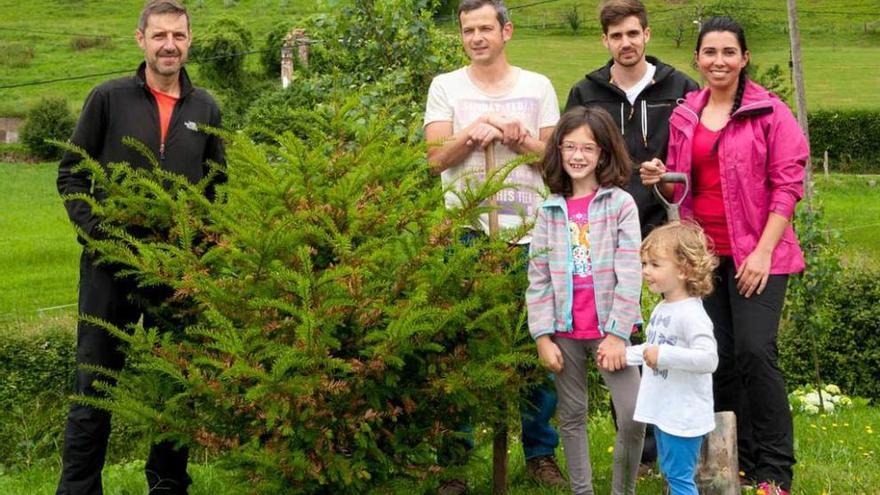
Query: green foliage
[[831, 333], [774, 79], [573, 18], [37, 370], [848, 345], [807, 298], [270, 59], [741, 10], [337, 331], [220, 50], [387, 51], [49, 119], [37, 364], [849, 136]]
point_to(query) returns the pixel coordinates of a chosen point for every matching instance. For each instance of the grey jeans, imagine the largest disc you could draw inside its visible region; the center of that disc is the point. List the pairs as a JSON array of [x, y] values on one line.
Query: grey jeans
[[571, 387]]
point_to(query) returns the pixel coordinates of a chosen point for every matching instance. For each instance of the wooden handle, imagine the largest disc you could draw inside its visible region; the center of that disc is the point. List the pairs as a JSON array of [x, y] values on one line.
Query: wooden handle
[[490, 169]]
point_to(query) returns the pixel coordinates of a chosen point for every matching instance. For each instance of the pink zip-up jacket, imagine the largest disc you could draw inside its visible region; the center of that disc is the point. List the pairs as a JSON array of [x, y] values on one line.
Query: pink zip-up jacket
[[615, 238], [761, 155]]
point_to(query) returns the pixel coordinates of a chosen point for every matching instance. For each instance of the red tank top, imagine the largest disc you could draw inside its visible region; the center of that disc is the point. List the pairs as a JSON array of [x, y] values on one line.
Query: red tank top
[[708, 200]]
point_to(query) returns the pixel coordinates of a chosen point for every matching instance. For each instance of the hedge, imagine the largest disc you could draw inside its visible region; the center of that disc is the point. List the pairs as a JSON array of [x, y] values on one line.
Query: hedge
[[851, 138], [849, 351]]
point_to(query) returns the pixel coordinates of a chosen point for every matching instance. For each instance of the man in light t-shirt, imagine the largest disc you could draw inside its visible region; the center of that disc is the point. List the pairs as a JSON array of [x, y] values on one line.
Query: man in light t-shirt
[[492, 103]]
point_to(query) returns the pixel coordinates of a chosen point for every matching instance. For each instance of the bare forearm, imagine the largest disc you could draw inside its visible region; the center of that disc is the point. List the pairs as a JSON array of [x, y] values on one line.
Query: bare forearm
[[449, 153], [773, 232]]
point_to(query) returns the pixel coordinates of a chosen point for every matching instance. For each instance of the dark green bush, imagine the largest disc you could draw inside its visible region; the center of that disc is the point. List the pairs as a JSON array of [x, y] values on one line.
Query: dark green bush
[[270, 59], [48, 119], [33, 364], [849, 348], [220, 52], [851, 138], [37, 369], [38, 366]]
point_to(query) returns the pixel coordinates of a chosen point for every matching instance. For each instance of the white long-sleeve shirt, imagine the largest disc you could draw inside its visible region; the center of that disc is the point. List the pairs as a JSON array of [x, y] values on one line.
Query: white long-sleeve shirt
[[677, 396]]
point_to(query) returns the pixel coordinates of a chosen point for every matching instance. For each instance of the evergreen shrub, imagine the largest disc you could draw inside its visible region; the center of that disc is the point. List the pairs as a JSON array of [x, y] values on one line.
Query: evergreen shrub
[[49, 119], [849, 136], [338, 330]]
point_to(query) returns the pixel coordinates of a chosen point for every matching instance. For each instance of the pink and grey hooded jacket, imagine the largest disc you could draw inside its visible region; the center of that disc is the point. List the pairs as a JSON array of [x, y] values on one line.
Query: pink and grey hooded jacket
[[761, 155], [615, 239]]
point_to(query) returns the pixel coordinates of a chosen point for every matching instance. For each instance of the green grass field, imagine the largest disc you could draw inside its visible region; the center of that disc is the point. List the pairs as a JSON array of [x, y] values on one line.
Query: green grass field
[[36, 41], [38, 249], [841, 52], [837, 454]]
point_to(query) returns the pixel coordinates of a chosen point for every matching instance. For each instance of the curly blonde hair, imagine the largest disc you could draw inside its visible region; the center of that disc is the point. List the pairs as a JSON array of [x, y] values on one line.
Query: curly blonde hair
[[687, 245]]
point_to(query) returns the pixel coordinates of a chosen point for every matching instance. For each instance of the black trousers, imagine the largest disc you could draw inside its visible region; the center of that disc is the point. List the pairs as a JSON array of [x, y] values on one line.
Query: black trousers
[[104, 296], [748, 380]]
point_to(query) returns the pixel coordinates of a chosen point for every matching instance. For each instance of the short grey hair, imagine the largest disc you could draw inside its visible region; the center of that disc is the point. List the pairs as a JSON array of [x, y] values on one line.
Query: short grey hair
[[154, 7], [498, 5]]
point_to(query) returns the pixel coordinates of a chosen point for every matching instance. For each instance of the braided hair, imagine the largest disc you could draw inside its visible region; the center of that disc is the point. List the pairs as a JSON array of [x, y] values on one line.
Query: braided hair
[[727, 24]]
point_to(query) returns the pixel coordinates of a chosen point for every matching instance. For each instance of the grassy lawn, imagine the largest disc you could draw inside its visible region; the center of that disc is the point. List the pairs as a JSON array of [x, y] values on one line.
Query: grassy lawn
[[38, 249], [836, 454], [572, 57], [36, 41], [852, 209], [36, 44]]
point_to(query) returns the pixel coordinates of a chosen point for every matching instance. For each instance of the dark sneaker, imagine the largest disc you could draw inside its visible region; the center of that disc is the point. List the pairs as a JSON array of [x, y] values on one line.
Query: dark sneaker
[[452, 487], [544, 471]]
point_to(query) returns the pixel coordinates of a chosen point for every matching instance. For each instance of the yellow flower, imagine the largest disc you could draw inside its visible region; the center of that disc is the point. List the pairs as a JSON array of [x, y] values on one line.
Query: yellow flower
[[760, 491]]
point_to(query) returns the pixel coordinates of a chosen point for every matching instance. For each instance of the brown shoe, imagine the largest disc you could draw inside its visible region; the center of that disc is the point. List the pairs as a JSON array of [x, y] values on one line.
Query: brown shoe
[[544, 471], [452, 487]]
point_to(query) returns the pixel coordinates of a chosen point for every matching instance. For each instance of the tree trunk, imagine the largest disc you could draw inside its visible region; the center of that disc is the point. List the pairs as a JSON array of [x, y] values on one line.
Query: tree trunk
[[718, 470]]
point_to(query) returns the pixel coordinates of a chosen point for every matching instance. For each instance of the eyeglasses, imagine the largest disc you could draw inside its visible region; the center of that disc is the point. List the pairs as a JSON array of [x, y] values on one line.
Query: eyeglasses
[[568, 148]]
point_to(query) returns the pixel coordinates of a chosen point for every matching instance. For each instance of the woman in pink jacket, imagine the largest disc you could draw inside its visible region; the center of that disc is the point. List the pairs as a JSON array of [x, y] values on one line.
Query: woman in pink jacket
[[744, 154]]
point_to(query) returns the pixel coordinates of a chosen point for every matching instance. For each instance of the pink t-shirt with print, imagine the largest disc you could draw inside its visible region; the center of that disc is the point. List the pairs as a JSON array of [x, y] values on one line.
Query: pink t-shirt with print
[[585, 320]]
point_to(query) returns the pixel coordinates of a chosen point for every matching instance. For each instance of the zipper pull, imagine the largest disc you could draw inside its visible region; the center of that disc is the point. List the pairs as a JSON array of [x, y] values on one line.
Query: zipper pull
[[162, 152]]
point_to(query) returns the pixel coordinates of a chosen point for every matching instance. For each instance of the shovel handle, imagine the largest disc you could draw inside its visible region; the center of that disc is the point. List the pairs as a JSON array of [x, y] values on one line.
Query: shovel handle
[[490, 169]]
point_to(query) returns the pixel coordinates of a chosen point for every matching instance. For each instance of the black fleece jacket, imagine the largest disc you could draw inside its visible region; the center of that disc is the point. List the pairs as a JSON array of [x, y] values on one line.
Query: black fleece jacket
[[126, 107], [645, 125]]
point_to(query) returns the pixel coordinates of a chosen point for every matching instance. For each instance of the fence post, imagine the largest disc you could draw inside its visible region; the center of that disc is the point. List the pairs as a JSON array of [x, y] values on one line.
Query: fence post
[[296, 37], [825, 164]]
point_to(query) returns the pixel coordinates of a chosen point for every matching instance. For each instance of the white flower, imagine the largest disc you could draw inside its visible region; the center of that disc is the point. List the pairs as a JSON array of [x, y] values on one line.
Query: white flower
[[811, 409], [829, 407], [832, 389]]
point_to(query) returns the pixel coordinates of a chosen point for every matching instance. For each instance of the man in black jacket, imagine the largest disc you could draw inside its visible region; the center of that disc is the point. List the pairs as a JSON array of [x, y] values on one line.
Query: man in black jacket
[[638, 91], [159, 107]]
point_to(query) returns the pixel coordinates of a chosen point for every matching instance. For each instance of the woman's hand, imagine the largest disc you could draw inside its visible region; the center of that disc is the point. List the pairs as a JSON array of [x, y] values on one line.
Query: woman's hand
[[651, 171], [650, 355], [751, 278], [611, 354], [549, 354]]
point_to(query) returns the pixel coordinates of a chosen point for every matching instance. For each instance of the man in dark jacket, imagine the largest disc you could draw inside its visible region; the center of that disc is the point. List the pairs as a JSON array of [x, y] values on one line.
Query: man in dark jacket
[[638, 91], [159, 107]]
